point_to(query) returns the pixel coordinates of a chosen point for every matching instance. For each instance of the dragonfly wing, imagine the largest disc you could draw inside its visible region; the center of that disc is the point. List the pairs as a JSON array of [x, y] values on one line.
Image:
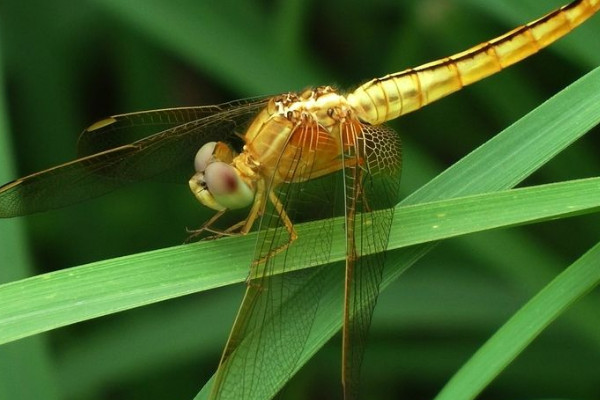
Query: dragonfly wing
[[123, 129], [371, 189], [170, 152], [279, 307]]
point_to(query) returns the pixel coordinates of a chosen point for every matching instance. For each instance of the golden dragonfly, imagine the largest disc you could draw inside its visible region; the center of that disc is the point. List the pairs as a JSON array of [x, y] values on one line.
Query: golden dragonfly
[[277, 156]]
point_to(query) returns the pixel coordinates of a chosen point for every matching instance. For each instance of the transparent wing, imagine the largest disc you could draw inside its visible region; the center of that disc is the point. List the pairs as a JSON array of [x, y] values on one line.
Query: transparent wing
[[123, 129], [113, 154], [279, 306], [371, 182], [278, 310]]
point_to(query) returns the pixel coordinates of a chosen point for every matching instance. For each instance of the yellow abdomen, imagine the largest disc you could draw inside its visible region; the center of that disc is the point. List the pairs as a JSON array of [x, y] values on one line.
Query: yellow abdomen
[[386, 98]]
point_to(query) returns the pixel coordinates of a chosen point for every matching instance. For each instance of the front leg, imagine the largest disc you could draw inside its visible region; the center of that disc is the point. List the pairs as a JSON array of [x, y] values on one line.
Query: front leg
[[240, 228]]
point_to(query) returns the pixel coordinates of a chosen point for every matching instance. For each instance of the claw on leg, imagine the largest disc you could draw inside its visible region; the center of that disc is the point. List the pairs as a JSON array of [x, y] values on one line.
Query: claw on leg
[[195, 233], [233, 230]]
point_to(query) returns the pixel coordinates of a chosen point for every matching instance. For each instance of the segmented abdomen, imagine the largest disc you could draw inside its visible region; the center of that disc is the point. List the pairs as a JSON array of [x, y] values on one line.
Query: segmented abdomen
[[393, 95]]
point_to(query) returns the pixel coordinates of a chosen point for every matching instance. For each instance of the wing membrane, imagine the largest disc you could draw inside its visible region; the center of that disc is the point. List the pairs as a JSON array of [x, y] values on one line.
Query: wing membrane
[[123, 129], [279, 307], [371, 193], [167, 154]]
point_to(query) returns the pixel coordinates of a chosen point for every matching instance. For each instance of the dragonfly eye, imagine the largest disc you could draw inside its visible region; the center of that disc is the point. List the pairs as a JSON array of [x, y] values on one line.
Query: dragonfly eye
[[204, 156], [226, 186]]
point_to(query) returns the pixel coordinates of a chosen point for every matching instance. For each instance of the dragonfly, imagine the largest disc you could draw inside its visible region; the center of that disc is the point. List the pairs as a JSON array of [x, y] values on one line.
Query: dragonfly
[[313, 155]]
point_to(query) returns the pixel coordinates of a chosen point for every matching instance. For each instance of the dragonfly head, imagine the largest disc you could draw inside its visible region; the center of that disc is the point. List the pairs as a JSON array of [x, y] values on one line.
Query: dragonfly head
[[216, 183]]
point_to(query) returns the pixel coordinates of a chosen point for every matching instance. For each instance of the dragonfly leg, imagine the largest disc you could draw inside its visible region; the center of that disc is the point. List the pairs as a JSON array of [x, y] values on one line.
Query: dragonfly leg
[[234, 230], [231, 231], [239, 228], [194, 233], [289, 227]]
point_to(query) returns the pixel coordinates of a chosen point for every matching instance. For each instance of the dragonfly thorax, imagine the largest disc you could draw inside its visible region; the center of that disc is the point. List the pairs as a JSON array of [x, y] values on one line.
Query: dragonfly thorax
[[295, 132], [322, 105]]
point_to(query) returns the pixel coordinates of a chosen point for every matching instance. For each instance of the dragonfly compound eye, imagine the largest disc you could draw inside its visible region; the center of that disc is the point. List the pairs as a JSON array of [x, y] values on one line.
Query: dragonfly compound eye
[[204, 156], [226, 186]]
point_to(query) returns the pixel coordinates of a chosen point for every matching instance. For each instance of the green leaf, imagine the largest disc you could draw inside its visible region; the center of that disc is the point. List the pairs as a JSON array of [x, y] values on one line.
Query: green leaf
[[77, 294], [523, 327]]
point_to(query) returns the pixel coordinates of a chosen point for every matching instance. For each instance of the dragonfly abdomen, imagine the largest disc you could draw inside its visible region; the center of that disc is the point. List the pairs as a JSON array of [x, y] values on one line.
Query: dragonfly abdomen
[[386, 98]]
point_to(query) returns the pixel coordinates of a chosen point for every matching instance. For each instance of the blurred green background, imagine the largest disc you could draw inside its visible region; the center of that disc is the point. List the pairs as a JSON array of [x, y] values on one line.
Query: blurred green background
[[66, 64]]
